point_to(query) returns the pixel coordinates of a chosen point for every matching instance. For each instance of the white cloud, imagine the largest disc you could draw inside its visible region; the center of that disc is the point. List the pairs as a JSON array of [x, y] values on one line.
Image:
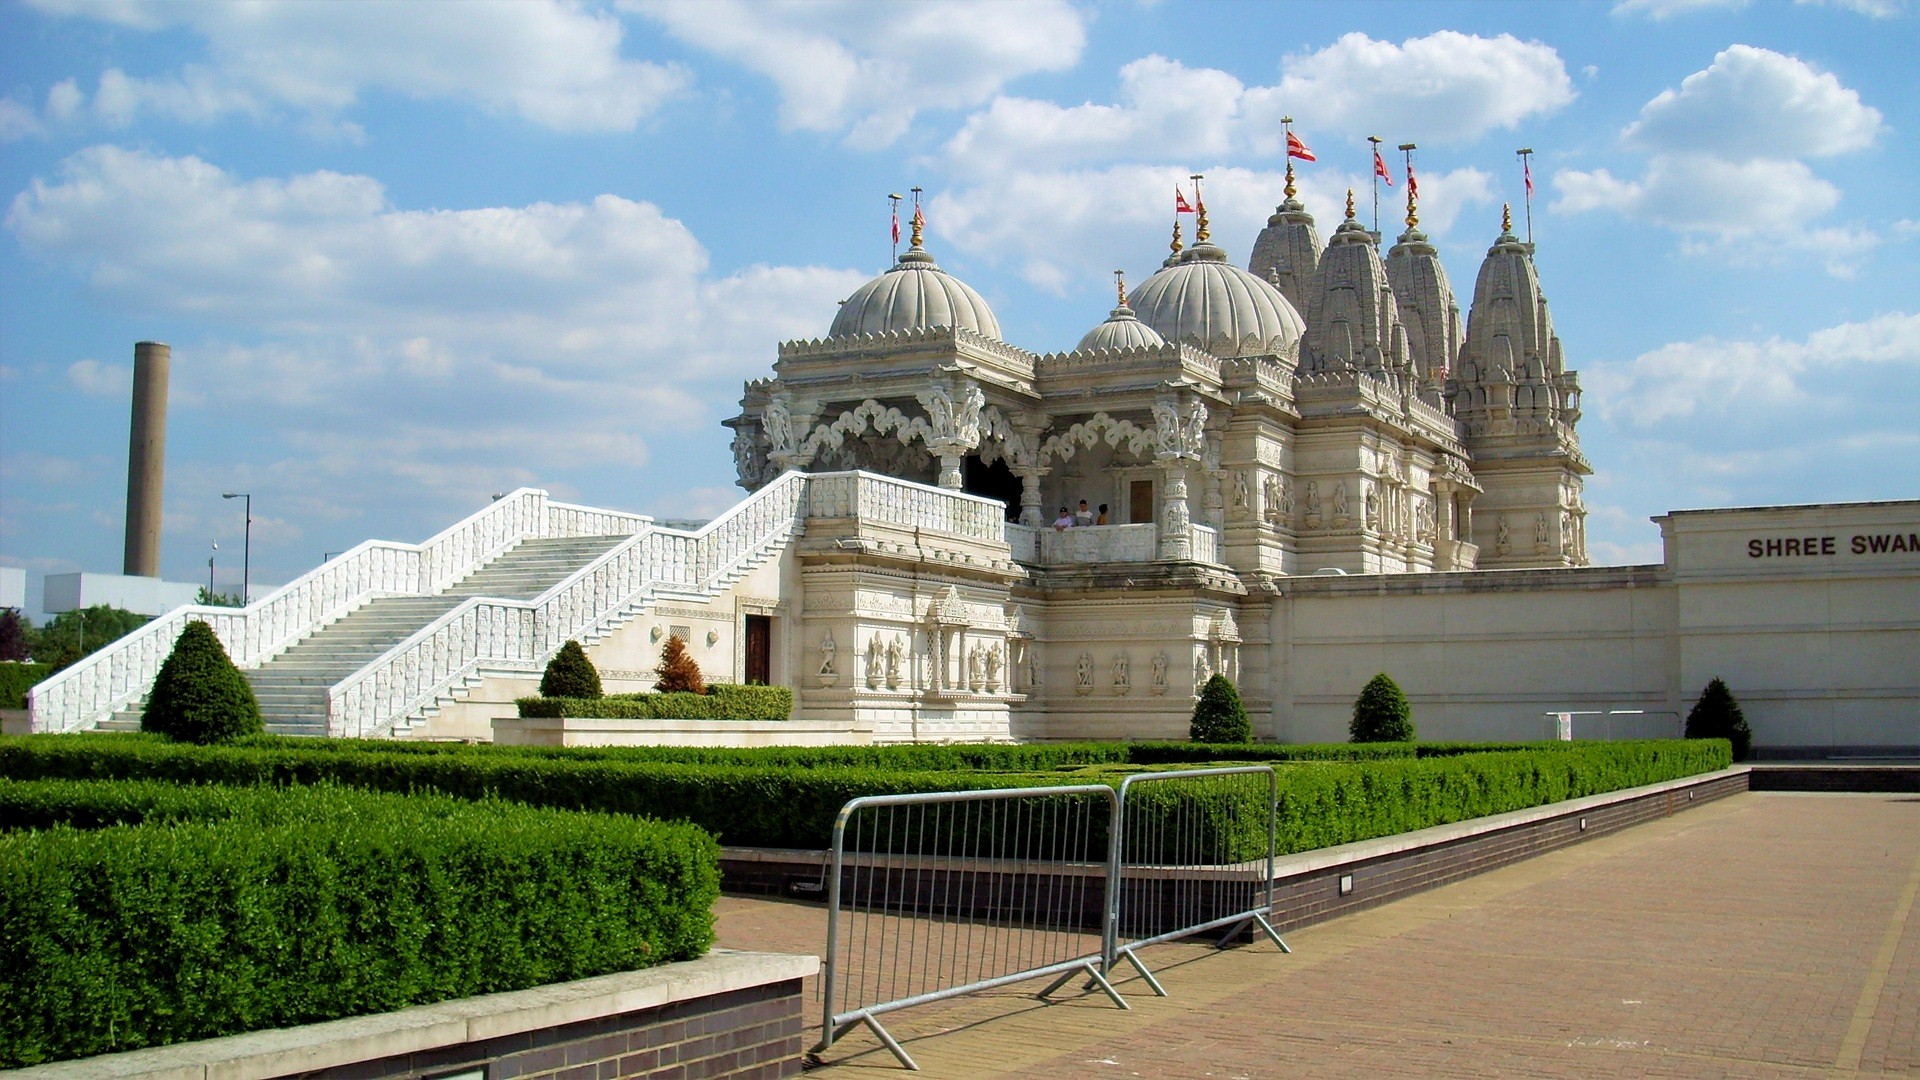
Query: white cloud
[[579, 287], [1873, 9], [1711, 377], [554, 64], [100, 380], [871, 66], [1662, 10], [1075, 226], [1755, 103], [1444, 86], [1694, 193]]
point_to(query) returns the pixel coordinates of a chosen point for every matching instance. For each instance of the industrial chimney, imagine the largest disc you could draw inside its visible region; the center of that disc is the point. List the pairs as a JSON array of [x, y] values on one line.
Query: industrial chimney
[[146, 457]]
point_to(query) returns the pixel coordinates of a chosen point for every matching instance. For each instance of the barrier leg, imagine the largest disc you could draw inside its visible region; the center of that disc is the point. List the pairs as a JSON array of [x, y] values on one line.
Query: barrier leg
[[1134, 959], [1267, 929], [880, 1032]]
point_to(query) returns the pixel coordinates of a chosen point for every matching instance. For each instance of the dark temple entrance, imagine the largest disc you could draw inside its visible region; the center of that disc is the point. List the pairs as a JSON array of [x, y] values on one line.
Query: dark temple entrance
[[994, 481], [759, 665]]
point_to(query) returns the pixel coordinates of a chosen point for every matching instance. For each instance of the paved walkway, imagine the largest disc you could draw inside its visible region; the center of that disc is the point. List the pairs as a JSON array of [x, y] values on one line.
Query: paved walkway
[[1763, 935]]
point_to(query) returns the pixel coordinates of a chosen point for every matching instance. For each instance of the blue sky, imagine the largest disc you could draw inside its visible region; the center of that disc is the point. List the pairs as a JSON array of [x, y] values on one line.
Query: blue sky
[[411, 255]]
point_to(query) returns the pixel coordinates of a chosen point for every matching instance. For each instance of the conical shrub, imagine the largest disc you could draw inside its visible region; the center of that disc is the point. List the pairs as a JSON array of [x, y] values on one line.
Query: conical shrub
[[677, 670], [1381, 713], [199, 696], [570, 674], [1219, 717], [1717, 716]]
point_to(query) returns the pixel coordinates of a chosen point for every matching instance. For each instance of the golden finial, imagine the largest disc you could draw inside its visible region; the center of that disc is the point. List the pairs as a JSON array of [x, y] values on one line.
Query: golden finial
[[1506, 218], [1120, 286], [1200, 232], [1413, 216], [919, 222], [1290, 191], [1176, 245], [1349, 204]]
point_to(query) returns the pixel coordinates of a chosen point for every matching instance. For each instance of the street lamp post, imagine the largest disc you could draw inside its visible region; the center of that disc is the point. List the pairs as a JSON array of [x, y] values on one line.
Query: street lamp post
[[212, 554], [246, 550]]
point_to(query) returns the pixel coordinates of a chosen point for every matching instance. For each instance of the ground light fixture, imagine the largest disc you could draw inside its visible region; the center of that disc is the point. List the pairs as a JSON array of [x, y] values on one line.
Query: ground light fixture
[[246, 549]]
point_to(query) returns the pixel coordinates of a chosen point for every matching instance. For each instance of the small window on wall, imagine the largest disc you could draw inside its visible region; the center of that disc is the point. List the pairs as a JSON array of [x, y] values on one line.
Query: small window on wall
[[684, 633]]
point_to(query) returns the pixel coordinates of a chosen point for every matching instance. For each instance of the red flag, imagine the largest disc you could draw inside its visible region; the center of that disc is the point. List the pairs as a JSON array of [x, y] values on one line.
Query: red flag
[[1413, 185], [1526, 168], [1298, 149], [919, 219], [1380, 167], [1180, 204], [896, 224]]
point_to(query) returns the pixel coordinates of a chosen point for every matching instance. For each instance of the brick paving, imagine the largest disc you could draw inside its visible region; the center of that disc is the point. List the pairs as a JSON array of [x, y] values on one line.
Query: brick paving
[[1762, 935]]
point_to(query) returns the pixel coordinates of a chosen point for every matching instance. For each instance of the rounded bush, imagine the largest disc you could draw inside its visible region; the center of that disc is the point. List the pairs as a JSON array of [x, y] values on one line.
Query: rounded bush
[[570, 674], [1381, 713], [1717, 716], [677, 670], [1219, 717], [199, 696]]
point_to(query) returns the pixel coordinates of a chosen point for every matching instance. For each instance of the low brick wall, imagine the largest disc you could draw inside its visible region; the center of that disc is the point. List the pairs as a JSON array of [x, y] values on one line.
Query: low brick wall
[[1833, 777], [728, 1014]]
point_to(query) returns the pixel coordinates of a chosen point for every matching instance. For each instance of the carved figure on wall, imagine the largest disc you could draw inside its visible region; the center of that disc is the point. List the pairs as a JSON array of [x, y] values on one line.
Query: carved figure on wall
[[1566, 532], [1313, 504], [1502, 539], [1122, 680], [1373, 508], [992, 661], [1196, 427], [895, 653], [1032, 656], [827, 649], [778, 420], [1340, 500], [876, 662], [1176, 516], [1240, 494], [976, 669], [1202, 669], [1167, 435], [1540, 532], [1159, 684], [1083, 674], [1270, 498]]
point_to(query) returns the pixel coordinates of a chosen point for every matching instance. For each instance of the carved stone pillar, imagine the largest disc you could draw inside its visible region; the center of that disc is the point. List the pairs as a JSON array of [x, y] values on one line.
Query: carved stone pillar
[[1032, 511], [952, 476], [1175, 540]]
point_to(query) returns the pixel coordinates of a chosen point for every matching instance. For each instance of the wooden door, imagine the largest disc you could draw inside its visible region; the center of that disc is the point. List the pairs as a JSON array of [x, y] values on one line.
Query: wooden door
[[1140, 502], [760, 649]]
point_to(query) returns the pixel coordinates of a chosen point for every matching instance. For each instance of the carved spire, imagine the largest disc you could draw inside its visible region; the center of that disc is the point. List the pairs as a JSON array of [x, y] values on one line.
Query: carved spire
[[1506, 219], [1200, 233], [1120, 287], [1173, 254], [1350, 204]]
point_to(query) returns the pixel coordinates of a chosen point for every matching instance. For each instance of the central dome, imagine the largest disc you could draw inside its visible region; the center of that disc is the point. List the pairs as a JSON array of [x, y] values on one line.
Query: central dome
[[913, 295], [1205, 301]]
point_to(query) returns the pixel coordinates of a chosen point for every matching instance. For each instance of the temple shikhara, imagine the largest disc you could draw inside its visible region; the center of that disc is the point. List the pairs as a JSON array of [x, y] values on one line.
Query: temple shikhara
[[1297, 470]]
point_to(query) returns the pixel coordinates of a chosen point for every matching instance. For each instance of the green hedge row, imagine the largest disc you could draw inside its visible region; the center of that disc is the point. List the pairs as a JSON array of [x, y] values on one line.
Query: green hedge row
[[17, 679], [225, 911], [722, 701], [793, 805]]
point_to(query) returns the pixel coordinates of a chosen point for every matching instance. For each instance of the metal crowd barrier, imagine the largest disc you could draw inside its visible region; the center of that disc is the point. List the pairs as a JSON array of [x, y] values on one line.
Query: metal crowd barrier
[[935, 895], [1194, 852]]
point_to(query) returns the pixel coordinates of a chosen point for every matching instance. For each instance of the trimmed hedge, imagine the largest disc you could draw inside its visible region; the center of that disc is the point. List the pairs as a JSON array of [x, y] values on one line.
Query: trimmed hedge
[[721, 701], [235, 910], [17, 679], [199, 696], [792, 803]]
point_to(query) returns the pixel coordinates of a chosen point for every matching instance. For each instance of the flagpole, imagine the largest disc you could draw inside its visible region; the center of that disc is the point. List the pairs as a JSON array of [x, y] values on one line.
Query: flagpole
[[1525, 154], [1286, 125], [1413, 187], [894, 202], [1373, 166]]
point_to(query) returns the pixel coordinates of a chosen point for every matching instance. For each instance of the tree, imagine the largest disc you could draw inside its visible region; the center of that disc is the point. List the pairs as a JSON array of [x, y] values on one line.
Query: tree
[[13, 635], [71, 635], [207, 597], [677, 670], [199, 696], [1219, 717], [570, 674], [1717, 716], [1381, 713]]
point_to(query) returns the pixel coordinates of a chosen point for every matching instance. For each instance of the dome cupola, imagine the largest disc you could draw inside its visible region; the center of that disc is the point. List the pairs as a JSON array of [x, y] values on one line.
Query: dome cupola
[[914, 294], [1205, 301], [1122, 330]]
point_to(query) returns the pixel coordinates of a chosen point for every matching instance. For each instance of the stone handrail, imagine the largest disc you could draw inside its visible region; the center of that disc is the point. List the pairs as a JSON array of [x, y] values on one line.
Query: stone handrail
[[1024, 541], [524, 635], [889, 501], [93, 688], [1206, 543]]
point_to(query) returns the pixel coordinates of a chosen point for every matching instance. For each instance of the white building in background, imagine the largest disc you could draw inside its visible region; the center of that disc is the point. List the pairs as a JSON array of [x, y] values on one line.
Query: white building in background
[[1311, 470], [13, 587], [141, 595]]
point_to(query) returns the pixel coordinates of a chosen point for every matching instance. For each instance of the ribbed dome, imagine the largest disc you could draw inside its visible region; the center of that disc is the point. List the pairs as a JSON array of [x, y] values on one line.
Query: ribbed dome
[[1121, 331], [913, 294], [1205, 301]]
